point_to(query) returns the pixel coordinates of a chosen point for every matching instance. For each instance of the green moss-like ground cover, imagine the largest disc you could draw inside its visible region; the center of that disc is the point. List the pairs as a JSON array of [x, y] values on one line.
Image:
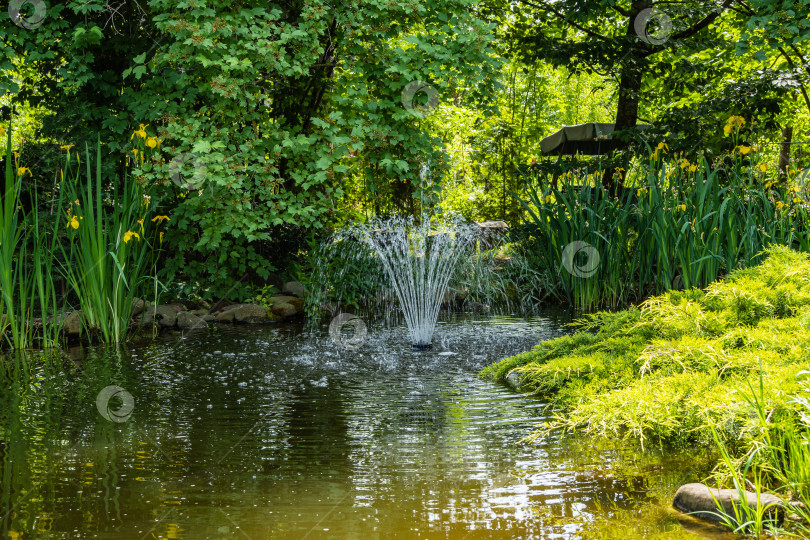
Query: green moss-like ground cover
[[667, 370]]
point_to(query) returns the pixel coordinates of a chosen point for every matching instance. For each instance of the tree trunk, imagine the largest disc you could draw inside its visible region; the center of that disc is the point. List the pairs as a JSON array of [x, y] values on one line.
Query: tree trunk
[[784, 151], [626, 117]]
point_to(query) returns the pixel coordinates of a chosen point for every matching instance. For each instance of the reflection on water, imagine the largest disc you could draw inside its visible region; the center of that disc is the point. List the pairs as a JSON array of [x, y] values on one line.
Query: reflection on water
[[269, 432]]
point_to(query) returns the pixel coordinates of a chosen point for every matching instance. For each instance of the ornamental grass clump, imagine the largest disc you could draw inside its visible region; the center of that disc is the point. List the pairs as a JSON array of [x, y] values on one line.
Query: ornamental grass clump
[[109, 256], [669, 369]]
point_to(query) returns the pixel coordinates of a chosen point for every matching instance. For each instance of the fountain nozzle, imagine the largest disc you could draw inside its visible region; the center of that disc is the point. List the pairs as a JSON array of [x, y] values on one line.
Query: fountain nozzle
[[422, 346]]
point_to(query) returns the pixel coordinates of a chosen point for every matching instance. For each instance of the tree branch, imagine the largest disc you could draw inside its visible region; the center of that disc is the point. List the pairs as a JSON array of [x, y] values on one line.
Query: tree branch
[[543, 7], [703, 23]]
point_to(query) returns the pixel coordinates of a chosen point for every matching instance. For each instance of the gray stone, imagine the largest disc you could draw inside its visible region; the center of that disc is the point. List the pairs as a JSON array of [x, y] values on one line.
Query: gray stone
[[71, 323], [138, 306], [282, 299], [210, 317], [243, 313], [165, 315], [199, 312], [513, 380], [698, 500], [190, 321], [286, 306], [294, 288]]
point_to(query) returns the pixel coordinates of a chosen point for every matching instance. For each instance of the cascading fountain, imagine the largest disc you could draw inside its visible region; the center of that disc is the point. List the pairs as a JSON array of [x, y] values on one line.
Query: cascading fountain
[[419, 258]]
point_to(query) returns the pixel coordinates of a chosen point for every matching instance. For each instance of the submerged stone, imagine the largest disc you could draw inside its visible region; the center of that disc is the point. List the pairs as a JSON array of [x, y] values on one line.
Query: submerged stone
[[700, 501]]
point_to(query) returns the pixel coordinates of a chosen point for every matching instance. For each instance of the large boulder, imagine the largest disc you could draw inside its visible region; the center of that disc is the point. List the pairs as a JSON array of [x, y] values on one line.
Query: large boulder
[[190, 321], [700, 501], [243, 313]]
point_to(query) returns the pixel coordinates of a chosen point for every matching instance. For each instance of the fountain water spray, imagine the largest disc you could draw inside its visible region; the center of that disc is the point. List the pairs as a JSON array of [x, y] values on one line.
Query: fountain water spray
[[419, 258]]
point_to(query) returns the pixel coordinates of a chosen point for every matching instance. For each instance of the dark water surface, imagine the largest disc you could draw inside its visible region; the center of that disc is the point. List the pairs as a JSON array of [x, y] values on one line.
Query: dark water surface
[[271, 432]]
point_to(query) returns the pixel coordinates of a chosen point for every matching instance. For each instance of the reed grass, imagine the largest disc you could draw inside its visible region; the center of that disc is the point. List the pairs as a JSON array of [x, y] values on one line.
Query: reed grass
[[26, 262], [15, 314], [104, 254], [675, 225], [106, 263]]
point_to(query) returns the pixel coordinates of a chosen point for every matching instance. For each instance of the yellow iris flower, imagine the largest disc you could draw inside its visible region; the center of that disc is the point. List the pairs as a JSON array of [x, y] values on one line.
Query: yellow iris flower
[[129, 235], [140, 132]]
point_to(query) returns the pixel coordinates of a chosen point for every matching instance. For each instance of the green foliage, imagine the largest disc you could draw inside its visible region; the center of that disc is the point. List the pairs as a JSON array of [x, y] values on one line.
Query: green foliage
[[502, 275], [265, 297], [666, 371], [277, 107]]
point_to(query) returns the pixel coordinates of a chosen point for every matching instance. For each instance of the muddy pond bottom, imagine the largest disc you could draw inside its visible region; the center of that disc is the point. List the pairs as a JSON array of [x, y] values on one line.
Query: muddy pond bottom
[[274, 432]]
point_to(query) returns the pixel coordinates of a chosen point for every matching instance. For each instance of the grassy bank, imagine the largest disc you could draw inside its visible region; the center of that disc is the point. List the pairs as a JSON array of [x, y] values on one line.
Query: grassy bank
[[668, 369], [725, 366]]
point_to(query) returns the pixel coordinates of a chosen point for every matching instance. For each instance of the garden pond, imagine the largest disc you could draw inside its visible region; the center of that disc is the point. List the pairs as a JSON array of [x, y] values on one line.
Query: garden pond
[[267, 432]]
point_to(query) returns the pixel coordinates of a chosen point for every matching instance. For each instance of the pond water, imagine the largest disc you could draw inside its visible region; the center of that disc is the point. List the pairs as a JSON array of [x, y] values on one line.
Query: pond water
[[273, 432]]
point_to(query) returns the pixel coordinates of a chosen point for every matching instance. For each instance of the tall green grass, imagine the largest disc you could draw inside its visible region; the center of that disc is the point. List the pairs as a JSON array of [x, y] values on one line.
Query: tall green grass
[[100, 242], [26, 266], [672, 226], [14, 315], [106, 263], [776, 458]]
